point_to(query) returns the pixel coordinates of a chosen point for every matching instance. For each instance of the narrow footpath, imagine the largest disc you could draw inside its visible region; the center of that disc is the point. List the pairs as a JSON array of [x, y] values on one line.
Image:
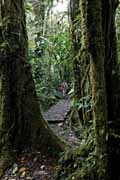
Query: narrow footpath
[[58, 112], [33, 165]]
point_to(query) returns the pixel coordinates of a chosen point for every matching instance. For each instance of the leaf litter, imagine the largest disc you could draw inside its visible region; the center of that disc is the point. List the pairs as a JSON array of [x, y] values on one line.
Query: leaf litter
[[33, 165]]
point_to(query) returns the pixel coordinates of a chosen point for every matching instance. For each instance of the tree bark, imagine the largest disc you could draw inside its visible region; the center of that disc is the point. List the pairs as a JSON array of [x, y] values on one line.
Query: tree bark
[[112, 84], [110, 59], [75, 45], [93, 52], [75, 37], [82, 86], [21, 122]]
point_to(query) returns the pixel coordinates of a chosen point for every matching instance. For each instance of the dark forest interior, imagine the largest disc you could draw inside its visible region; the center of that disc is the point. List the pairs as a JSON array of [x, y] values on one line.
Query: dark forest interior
[[59, 89]]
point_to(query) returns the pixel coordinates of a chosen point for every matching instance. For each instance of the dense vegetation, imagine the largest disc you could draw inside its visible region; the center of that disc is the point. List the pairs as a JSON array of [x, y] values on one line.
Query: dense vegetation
[[49, 52], [41, 46]]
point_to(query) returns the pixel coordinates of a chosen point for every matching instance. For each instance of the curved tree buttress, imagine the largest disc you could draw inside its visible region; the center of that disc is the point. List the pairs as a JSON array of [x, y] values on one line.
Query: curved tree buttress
[[21, 122]]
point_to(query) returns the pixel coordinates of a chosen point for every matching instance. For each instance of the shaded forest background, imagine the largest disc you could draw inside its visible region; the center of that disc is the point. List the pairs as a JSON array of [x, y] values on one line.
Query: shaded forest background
[[49, 50], [42, 46]]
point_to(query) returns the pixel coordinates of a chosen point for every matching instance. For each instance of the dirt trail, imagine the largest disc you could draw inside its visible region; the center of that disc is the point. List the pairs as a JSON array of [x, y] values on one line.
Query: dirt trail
[[34, 166], [58, 112]]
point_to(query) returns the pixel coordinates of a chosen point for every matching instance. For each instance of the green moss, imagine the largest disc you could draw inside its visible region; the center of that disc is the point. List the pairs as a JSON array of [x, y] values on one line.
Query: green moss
[[78, 163]]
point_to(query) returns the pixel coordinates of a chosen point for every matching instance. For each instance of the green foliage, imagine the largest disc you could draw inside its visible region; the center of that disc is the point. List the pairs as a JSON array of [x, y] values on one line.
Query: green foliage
[[49, 53], [84, 103], [28, 7], [79, 163]]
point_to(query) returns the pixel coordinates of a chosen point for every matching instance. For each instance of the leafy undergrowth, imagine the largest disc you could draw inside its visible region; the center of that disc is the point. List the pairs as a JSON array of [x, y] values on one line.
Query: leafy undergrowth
[[79, 163], [31, 166]]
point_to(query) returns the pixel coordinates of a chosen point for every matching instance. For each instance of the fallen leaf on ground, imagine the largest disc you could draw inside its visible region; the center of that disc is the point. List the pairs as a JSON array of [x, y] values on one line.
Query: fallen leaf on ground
[[22, 169]]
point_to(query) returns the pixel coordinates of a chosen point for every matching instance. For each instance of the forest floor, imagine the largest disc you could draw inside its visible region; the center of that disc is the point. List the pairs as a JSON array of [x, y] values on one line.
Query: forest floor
[[58, 112], [34, 166]]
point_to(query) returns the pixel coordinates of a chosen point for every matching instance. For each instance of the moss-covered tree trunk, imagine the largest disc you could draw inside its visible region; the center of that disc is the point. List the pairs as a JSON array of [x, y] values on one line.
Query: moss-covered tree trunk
[[81, 65], [21, 122], [93, 51], [75, 45], [75, 37]]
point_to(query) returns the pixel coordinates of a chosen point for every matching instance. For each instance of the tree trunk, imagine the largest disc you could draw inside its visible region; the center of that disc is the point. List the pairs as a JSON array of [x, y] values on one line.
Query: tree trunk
[[110, 60], [112, 84], [75, 41], [21, 122], [81, 65], [93, 51], [75, 37]]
